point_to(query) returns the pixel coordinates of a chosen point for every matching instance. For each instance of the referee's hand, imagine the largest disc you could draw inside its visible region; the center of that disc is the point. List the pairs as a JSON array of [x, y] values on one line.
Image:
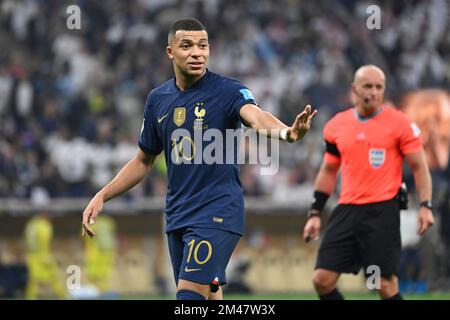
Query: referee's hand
[[312, 229], [425, 221], [90, 215]]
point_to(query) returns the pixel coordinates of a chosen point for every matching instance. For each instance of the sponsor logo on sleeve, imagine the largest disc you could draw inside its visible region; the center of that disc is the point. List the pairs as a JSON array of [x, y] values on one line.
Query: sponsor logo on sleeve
[[247, 94], [415, 130]]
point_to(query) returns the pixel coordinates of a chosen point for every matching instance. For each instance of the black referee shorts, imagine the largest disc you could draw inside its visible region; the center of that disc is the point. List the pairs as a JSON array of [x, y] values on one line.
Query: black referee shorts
[[360, 236]]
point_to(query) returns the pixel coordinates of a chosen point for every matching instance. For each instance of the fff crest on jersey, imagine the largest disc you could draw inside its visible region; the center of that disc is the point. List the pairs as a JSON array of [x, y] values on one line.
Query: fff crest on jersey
[[179, 116], [200, 114], [377, 157]]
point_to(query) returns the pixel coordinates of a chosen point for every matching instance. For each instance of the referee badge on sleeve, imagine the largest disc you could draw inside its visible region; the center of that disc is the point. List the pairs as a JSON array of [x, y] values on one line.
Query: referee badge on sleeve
[[377, 157]]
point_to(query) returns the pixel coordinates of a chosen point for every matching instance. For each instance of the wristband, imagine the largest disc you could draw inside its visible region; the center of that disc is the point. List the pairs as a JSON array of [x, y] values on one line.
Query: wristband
[[319, 200], [283, 134]]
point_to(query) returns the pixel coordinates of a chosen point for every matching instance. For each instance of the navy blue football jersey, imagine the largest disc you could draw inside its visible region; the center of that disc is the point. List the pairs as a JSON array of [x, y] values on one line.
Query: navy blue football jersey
[[185, 124]]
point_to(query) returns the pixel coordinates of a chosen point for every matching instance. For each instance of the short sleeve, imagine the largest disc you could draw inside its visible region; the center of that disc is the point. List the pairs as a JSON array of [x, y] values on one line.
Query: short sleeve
[[329, 133], [150, 139], [410, 139], [331, 154], [239, 96]]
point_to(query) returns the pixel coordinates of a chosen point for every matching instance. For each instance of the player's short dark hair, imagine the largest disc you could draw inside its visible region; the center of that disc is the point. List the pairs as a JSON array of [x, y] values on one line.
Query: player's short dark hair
[[187, 24]]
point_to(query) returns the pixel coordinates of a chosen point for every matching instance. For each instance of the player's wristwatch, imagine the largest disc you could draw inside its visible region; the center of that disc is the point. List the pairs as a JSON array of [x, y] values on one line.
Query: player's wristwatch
[[427, 204]]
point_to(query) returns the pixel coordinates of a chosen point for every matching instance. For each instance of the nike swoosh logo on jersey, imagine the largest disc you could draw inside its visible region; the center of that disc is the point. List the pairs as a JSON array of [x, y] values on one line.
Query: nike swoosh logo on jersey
[[162, 118], [190, 270]]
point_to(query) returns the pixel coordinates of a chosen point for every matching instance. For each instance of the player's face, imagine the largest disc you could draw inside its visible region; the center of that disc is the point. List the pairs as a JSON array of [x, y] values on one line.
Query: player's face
[[369, 89], [189, 51]]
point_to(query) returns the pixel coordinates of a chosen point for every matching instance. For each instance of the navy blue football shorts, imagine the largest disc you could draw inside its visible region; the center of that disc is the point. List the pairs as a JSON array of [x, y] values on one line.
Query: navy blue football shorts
[[201, 255]]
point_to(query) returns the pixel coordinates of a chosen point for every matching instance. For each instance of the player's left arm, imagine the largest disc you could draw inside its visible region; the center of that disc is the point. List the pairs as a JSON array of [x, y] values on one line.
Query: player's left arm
[[263, 120], [422, 178]]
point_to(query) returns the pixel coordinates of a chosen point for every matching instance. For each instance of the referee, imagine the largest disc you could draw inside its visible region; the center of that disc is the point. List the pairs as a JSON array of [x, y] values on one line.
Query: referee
[[368, 144]]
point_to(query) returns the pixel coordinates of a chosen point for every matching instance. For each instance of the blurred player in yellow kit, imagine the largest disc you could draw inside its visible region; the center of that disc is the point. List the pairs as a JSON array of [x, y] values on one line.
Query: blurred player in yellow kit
[[100, 254], [42, 267]]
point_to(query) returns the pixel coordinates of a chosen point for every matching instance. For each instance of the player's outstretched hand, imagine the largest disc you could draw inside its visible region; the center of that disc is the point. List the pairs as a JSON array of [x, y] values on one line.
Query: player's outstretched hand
[[426, 220], [301, 124], [90, 214], [312, 229]]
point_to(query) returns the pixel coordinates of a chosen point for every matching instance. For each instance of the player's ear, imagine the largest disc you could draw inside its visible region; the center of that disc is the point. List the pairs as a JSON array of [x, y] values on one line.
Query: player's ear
[[169, 52]]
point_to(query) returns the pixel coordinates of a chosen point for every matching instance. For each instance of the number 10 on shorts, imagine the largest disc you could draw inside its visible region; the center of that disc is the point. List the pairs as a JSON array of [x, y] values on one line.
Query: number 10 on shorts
[[196, 248]]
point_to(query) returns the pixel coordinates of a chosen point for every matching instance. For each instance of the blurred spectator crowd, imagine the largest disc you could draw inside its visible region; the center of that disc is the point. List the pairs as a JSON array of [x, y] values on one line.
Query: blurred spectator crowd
[[71, 101]]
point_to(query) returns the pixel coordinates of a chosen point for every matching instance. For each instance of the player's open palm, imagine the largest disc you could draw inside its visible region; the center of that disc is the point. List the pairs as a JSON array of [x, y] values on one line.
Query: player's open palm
[[312, 229], [301, 124], [90, 214]]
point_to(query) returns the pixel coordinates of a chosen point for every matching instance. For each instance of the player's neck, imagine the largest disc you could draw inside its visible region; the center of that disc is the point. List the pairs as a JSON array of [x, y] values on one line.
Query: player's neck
[[184, 83]]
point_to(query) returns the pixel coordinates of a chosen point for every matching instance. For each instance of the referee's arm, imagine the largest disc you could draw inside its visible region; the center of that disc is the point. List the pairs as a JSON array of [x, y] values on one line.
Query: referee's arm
[[422, 179], [324, 184], [326, 178]]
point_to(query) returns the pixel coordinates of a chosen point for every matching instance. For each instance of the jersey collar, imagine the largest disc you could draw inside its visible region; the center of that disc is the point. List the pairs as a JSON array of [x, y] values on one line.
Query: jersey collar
[[364, 119], [196, 85]]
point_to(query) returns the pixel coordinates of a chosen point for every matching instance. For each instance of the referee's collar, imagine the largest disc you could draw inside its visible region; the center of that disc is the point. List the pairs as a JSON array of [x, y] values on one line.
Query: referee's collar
[[364, 119]]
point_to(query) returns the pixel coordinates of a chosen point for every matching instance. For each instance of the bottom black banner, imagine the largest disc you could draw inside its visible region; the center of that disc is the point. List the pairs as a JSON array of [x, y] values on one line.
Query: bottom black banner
[[227, 309]]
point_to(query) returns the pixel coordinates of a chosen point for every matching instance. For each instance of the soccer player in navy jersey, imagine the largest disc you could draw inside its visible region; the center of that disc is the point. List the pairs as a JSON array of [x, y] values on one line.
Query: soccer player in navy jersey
[[204, 204]]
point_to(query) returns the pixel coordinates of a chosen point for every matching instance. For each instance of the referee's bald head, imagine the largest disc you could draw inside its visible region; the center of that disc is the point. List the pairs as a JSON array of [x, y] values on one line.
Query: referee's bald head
[[369, 71]]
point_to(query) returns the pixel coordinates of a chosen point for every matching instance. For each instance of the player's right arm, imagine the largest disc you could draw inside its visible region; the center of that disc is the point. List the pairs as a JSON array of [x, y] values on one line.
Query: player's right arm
[[263, 120], [129, 176], [324, 186]]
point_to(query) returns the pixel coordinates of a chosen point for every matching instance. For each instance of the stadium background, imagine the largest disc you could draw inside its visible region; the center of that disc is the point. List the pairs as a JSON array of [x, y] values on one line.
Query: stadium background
[[71, 104]]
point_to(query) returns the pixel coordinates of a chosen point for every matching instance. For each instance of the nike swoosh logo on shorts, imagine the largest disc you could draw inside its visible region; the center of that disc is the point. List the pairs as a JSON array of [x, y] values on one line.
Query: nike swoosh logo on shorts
[[190, 270]]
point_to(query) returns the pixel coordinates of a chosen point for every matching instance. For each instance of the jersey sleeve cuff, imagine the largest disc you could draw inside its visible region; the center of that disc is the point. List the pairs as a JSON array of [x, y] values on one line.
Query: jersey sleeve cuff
[[147, 150], [412, 150], [331, 158]]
